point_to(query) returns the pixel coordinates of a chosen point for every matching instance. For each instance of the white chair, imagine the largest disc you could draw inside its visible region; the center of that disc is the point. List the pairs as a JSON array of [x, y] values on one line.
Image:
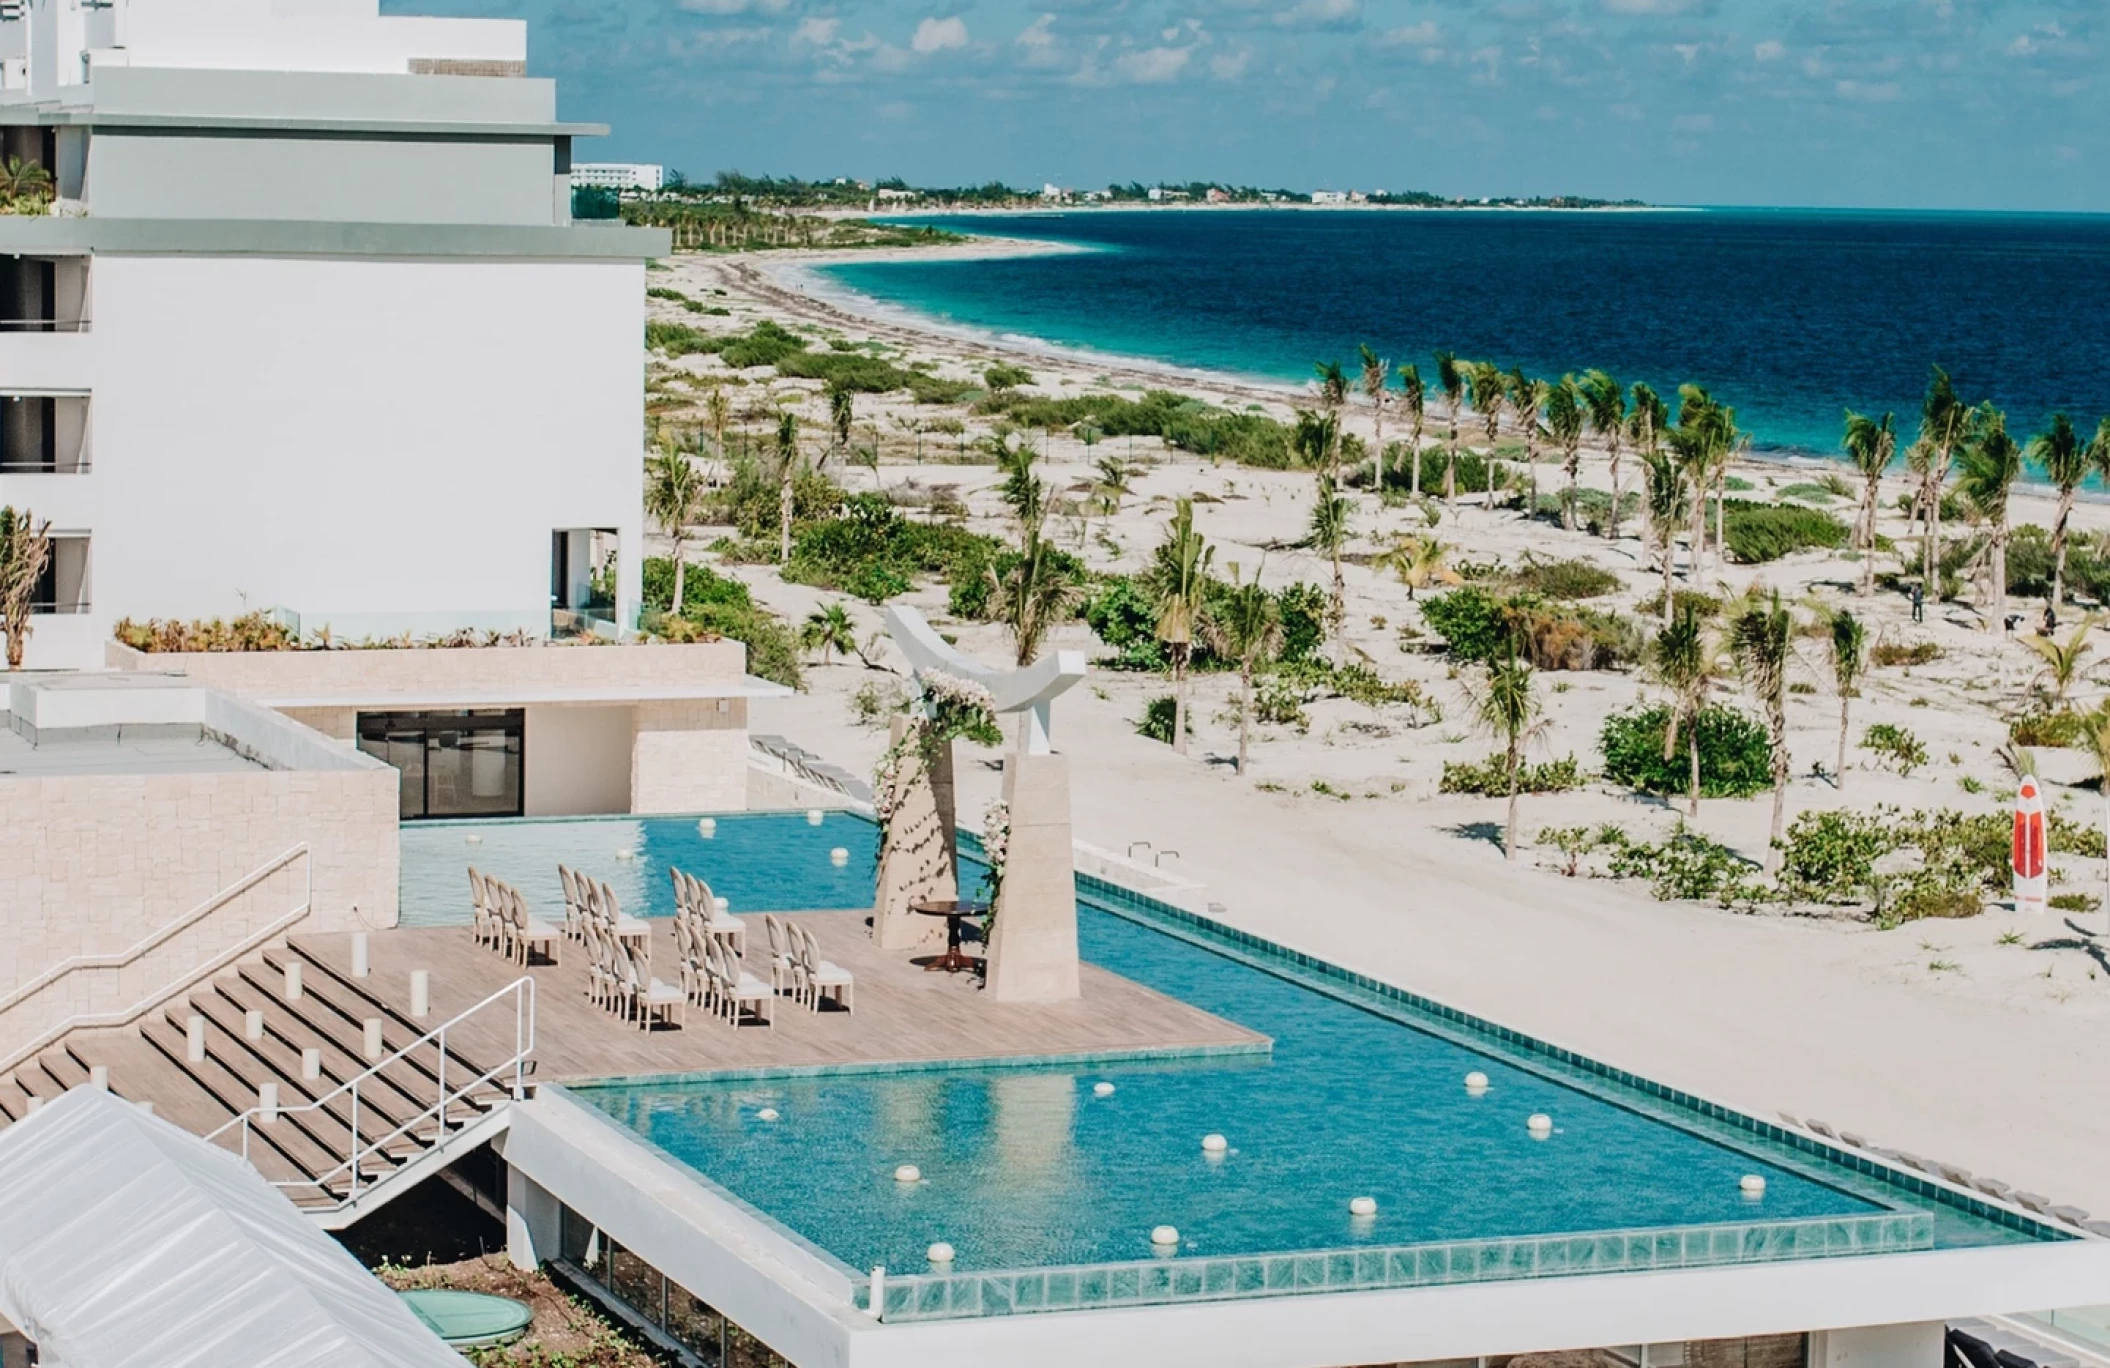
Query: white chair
[[649, 998], [574, 905], [718, 921], [634, 932], [600, 978], [783, 963], [528, 931], [822, 977], [696, 979], [485, 925], [736, 986]]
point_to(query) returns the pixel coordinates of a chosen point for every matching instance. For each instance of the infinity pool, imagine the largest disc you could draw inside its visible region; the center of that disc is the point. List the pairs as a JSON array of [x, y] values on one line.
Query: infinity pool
[[756, 861], [1029, 1167]]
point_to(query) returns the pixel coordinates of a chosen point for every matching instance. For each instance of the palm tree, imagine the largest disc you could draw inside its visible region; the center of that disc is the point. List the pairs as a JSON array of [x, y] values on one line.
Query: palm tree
[[1333, 392], [1178, 578], [1664, 488], [1564, 424], [1704, 439], [787, 473], [1871, 444], [1945, 422], [2065, 460], [1505, 707], [1761, 637], [1526, 398], [1329, 532], [25, 550], [2062, 661], [1413, 400], [1990, 463], [1247, 627], [1604, 401], [1313, 437], [829, 630], [2095, 739], [1376, 370], [24, 180], [842, 413], [1646, 419], [1490, 397], [674, 500], [1683, 659], [1450, 377], [1420, 561], [718, 410], [1849, 659], [1041, 587]]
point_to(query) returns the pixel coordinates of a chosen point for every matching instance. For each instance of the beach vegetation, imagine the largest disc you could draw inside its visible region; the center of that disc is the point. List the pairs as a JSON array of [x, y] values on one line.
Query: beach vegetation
[[1178, 577], [1848, 640], [867, 549], [2055, 728], [1506, 706], [1001, 378], [1489, 778], [1042, 584], [1563, 579], [2064, 661], [1245, 626], [1181, 423], [720, 606], [674, 500], [1886, 653], [252, 631], [1161, 722], [1734, 754], [25, 187], [1871, 444], [1807, 492], [1987, 468], [1685, 659], [25, 552], [1895, 745], [1478, 624], [1762, 639], [1757, 533]]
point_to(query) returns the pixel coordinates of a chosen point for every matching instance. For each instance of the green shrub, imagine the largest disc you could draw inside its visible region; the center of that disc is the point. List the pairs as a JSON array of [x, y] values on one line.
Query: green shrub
[[1706, 607], [1157, 718], [1686, 866], [1004, 377], [1887, 653], [1564, 579], [870, 550], [1122, 615], [720, 605], [1735, 753], [1896, 745], [1186, 424], [2058, 729], [1279, 701], [1472, 471], [1809, 493], [1303, 609], [1479, 627], [1758, 533], [1471, 622], [1490, 777], [750, 500], [2075, 902]]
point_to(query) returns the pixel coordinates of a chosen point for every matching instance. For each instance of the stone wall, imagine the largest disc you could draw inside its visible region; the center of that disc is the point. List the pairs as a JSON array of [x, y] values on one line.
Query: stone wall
[[689, 756], [500, 673]]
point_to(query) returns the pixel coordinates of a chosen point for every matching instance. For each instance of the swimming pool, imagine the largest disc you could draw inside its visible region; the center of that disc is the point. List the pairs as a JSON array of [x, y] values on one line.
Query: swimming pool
[[756, 861], [1048, 1191]]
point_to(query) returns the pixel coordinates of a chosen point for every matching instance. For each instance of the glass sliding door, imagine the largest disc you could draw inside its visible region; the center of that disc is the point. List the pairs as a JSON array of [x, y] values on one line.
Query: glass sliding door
[[464, 763]]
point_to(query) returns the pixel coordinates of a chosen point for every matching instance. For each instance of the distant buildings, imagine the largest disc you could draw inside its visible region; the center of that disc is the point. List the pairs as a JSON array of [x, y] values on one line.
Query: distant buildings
[[1329, 197], [619, 176]]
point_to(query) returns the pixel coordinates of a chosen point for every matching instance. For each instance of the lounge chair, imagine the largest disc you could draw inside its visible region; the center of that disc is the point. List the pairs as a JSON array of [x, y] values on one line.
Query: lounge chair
[[820, 977]]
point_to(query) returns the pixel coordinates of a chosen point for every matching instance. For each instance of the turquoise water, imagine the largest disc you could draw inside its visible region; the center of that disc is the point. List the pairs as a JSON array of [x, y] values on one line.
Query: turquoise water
[[1028, 1168], [1791, 316], [757, 862]]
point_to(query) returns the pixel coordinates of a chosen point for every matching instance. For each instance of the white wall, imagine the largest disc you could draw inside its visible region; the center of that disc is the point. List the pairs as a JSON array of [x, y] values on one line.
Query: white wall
[[383, 443], [577, 761]]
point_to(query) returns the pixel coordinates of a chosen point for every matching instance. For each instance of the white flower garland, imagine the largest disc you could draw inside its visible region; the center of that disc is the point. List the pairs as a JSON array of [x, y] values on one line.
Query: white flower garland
[[996, 847]]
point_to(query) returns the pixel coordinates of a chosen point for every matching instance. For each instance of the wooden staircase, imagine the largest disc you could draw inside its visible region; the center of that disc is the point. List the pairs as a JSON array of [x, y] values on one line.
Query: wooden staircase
[[306, 1150]]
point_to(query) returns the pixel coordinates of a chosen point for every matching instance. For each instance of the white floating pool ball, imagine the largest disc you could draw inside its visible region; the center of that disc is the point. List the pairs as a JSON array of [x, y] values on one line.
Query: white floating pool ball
[[766, 1114], [1165, 1237], [839, 856], [813, 816], [1362, 1206], [1102, 1090], [1214, 1144], [472, 839], [1476, 1082], [707, 827], [939, 1253], [908, 1173], [1540, 1125], [1751, 1185], [626, 854]]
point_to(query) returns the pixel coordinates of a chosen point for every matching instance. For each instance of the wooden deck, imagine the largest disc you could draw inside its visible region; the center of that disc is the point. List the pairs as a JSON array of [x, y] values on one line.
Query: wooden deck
[[903, 1014]]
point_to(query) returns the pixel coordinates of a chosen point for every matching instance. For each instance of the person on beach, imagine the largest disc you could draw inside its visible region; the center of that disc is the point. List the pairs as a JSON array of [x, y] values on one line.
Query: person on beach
[[1919, 602]]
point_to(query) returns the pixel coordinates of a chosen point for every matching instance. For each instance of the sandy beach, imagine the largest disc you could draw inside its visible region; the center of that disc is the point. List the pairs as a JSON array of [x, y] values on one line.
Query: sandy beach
[[1977, 1041]]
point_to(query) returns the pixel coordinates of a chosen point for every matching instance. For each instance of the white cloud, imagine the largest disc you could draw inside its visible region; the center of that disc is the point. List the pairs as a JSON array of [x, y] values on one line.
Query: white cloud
[[1036, 34], [1647, 6], [1152, 66], [736, 6], [1692, 123], [1864, 92], [940, 35], [1229, 66], [1320, 14], [1410, 35], [1772, 50], [817, 32]]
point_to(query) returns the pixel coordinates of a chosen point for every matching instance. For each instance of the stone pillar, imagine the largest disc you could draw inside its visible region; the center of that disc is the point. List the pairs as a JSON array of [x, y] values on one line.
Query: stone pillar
[[1916, 1345], [917, 864], [1033, 950], [533, 1222]]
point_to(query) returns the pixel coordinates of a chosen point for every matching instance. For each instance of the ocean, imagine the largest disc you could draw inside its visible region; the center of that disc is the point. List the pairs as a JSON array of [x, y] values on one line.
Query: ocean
[[1792, 316]]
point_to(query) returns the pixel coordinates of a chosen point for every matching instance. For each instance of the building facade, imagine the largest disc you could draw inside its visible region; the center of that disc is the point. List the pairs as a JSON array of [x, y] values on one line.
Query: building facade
[[646, 176], [305, 326]]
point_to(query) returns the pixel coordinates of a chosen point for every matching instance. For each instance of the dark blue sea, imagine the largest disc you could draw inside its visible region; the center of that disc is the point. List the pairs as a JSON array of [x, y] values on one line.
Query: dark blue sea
[[1790, 315]]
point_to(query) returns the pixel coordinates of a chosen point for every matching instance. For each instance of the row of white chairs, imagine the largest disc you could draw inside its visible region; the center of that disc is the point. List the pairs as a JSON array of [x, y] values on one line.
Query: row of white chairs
[[693, 898], [590, 902], [501, 920], [621, 981]]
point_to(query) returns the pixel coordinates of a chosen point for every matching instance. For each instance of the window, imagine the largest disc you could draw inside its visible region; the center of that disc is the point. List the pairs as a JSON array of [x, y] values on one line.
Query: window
[[465, 763]]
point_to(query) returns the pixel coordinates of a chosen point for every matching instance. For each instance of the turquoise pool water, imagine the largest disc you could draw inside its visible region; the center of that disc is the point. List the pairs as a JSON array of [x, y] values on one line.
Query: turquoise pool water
[[756, 861], [1037, 1181]]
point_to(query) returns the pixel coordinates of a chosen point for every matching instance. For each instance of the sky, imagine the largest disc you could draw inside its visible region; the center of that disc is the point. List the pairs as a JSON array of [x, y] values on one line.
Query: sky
[[1971, 104]]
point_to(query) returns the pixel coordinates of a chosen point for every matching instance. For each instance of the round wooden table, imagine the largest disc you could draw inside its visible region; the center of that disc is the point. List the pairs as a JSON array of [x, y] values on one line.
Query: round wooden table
[[952, 961]]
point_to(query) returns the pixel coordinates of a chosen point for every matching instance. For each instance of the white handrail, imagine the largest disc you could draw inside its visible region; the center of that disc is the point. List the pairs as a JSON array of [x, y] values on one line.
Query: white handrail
[[119, 959], [520, 990]]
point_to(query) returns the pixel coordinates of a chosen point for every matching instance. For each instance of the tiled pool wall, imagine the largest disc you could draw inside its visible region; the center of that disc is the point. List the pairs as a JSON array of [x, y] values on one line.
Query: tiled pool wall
[[1097, 1287]]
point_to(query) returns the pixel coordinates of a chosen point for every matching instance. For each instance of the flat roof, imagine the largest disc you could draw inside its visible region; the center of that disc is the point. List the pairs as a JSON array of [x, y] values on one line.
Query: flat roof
[[747, 686], [154, 749], [289, 237]]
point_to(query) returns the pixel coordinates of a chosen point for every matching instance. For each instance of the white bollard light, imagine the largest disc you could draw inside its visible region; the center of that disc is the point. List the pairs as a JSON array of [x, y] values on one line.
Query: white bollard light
[[253, 1023], [99, 1077], [311, 1063], [373, 1038], [292, 980], [421, 993], [194, 1039], [361, 961], [267, 1102], [878, 1302]]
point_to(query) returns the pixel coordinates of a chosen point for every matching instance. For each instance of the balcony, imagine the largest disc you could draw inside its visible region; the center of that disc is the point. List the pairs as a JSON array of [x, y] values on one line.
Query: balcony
[[43, 434]]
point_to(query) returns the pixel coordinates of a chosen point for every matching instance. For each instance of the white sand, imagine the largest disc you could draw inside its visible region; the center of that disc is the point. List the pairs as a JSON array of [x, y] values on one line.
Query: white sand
[[1934, 1038]]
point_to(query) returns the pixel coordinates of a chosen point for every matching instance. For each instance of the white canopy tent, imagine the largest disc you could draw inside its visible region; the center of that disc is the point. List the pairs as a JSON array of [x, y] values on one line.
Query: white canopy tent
[[125, 1241]]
